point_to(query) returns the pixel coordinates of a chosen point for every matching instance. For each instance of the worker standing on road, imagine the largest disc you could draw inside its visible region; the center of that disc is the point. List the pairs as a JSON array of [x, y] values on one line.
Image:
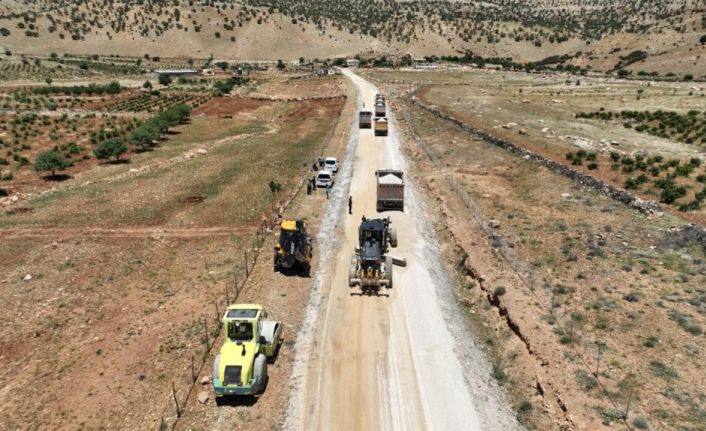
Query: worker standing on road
[[350, 204], [328, 190]]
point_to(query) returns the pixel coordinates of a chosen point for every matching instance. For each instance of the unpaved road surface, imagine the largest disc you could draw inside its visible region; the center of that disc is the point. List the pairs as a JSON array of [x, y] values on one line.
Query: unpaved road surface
[[404, 361]]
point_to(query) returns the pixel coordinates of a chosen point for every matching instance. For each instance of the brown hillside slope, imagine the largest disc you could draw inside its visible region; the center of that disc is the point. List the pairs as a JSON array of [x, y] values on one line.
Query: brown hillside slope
[[669, 32]]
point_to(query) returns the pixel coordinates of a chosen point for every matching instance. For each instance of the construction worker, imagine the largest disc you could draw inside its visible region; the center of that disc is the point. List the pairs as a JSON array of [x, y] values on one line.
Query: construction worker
[[350, 204]]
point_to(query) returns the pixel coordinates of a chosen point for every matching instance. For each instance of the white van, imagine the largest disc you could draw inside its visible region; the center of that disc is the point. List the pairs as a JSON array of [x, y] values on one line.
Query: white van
[[324, 178]]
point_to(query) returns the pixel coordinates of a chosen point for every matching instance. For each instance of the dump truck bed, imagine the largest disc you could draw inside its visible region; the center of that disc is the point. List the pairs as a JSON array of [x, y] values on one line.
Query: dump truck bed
[[390, 189], [365, 119], [381, 126]]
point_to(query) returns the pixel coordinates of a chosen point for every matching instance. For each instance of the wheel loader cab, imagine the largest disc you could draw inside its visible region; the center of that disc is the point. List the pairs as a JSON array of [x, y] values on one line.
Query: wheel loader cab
[[289, 236]]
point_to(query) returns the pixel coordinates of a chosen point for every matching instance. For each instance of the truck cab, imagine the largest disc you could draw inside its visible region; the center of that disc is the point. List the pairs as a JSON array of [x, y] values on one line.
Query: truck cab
[[248, 342]]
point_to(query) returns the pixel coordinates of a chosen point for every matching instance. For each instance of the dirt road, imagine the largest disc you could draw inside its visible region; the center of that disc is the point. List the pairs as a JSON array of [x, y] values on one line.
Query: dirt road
[[398, 362]]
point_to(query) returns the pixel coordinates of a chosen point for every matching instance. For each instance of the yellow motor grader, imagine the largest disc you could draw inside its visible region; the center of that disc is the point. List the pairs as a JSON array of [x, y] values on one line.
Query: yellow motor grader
[[371, 267]]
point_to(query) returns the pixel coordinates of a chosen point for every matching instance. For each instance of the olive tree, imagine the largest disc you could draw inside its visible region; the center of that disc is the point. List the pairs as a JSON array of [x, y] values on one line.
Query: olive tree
[[51, 161], [113, 147]]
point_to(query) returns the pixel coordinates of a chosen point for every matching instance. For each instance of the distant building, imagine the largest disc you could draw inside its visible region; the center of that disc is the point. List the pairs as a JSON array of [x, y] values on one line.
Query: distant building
[[324, 71], [176, 72], [240, 71], [426, 66], [493, 66], [352, 62], [207, 72]]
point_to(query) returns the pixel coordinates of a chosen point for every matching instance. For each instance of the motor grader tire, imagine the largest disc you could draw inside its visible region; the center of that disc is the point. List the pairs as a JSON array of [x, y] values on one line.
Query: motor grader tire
[[393, 237], [352, 271], [388, 272]]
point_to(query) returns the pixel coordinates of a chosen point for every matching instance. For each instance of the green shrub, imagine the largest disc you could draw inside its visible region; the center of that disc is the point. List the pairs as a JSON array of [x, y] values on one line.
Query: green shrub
[[662, 371], [670, 191], [585, 380], [651, 341], [640, 423], [499, 373], [525, 406]]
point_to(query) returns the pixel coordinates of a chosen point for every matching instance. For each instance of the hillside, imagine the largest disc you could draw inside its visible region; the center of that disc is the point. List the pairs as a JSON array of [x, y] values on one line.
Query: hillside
[[668, 32]]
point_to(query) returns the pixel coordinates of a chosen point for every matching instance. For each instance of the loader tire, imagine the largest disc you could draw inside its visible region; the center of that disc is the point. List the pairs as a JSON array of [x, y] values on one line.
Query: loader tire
[[393, 237]]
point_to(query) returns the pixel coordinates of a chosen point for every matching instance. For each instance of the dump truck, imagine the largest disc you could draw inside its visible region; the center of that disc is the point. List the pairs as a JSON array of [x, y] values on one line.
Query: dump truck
[[370, 268], [381, 126], [294, 247], [249, 342], [365, 119], [390, 189], [380, 109]]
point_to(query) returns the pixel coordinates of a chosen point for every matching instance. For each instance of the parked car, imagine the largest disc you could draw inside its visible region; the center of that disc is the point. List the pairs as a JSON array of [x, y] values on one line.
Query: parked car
[[331, 164], [324, 178]]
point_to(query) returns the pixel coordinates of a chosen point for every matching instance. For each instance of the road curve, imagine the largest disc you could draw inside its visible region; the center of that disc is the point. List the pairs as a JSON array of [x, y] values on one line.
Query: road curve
[[401, 362]]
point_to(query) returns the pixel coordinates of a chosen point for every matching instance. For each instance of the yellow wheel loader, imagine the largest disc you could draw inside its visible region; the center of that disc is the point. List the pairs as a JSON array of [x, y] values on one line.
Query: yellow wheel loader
[[294, 247]]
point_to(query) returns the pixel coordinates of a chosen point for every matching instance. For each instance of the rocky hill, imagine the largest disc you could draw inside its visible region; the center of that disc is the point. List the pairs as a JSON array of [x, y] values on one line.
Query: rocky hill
[[599, 33]]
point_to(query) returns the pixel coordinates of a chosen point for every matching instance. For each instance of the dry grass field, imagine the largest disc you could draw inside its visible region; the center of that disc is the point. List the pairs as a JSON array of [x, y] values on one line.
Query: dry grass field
[[107, 277]]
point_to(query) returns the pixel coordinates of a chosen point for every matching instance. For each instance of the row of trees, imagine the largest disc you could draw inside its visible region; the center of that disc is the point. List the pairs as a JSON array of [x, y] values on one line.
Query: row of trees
[[143, 137], [91, 89]]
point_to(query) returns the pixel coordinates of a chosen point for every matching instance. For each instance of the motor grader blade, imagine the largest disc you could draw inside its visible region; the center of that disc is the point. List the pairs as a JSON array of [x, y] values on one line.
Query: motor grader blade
[[399, 261]]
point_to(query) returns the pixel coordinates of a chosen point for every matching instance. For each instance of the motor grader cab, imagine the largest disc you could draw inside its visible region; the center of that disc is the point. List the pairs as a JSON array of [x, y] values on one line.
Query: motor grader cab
[[294, 246], [249, 341], [371, 268]]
